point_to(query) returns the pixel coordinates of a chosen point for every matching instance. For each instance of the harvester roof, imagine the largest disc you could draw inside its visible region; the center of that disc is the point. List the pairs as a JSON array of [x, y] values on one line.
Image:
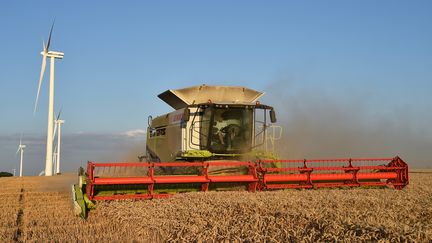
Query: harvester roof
[[181, 98]]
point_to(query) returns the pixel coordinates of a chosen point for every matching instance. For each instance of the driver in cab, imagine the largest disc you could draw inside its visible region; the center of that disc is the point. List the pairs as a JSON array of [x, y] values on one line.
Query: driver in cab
[[226, 129]]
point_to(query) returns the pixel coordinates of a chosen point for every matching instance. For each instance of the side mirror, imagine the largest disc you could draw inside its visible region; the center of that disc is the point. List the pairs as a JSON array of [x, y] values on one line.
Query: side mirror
[[273, 116], [149, 121], [186, 115]]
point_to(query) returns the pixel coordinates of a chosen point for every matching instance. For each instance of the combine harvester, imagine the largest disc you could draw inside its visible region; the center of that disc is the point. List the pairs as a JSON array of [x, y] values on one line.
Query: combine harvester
[[222, 138]]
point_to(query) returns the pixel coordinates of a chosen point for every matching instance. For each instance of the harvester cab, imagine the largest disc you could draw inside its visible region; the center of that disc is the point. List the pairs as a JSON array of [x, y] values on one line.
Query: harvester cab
[[212, 123], [219, 138]]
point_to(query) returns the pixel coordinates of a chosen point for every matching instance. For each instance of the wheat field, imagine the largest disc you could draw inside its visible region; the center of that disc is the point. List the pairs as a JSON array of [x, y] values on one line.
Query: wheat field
[[38, 209]]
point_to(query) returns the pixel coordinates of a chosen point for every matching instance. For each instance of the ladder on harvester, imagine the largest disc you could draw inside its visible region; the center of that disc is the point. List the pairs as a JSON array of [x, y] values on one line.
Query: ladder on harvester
[[272, 134]]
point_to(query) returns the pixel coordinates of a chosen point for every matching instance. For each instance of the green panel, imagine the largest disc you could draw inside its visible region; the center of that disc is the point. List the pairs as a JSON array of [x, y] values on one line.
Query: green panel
[[79, 196], [197, 154], [142, 189]]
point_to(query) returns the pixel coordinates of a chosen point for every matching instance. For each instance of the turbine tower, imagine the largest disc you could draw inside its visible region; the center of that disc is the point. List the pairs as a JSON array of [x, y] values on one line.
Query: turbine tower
[[52, 55], [21, 148]]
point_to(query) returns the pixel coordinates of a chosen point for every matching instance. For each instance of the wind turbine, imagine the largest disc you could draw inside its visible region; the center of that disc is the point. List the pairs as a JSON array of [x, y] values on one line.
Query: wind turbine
[[21, 148], [52, 55], [57, 128]]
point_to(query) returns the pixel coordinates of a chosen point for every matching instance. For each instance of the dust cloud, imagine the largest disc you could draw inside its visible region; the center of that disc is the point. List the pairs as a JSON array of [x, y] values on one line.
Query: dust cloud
[[356, 123], [133, 152], [318, 125]]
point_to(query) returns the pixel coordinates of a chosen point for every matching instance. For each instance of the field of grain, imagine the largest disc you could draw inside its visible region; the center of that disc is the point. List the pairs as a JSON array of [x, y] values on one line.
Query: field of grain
[[35, 209]]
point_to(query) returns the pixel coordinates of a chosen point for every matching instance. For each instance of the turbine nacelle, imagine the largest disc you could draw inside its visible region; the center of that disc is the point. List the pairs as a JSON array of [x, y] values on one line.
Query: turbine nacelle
[[55, 54], [21, 147]]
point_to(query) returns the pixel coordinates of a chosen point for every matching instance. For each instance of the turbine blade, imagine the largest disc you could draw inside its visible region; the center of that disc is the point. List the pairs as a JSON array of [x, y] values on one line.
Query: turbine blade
[[40, 80], [58, 116], [55, 130], [54, 155], [49, 37], [54, 160], [19, 146]]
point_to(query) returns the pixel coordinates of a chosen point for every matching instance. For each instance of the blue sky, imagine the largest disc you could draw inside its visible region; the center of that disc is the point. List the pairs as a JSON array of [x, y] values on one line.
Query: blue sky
[[376, 55]]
